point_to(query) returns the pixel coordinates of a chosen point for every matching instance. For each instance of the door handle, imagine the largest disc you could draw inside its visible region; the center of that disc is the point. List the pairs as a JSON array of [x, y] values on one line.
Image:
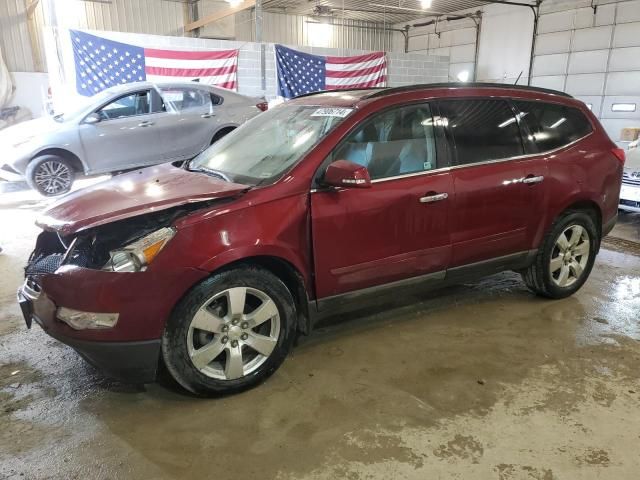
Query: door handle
[[531, 179], [436, 197], [146, 123], [208, 115]]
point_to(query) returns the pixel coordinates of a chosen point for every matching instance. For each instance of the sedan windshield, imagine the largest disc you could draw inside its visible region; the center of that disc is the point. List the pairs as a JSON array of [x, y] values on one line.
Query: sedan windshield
[[264, 148]]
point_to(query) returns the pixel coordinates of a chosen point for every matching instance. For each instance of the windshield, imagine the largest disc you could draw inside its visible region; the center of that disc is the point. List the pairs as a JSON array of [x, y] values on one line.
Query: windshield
[[264, 148], [82, 105]]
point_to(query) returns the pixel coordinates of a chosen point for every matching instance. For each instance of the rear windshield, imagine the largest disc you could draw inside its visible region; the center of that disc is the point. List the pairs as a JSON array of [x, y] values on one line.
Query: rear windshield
[[552, 126]]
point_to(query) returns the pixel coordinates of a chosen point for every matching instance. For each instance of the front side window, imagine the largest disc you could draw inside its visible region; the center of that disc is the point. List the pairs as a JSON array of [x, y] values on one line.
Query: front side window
[[187, 98], [551, 125], [482, 130], [397, 142], [138, 103], [264, 148]]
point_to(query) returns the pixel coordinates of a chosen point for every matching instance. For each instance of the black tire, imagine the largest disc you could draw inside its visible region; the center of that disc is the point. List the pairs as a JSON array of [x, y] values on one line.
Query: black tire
[[221, 133], [40, 175], [538, 276], [176, 338]]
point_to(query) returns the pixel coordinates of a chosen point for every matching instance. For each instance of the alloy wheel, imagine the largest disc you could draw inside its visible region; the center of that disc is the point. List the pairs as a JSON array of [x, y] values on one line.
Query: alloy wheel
[[233, 333], [570, 256], [53, 177]]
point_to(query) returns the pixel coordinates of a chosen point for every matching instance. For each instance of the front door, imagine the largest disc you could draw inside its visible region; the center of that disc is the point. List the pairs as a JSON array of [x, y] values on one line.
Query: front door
[[125, 137], [491, 211], [399, 227]]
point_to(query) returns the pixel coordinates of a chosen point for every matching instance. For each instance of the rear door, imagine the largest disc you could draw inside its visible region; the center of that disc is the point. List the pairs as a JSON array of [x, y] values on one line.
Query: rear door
[[398, 228], [491, 210], [191, 121]]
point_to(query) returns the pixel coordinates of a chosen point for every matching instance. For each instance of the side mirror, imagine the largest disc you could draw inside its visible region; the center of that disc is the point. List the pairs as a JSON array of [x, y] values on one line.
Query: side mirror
[[92, 118], [345, 174]]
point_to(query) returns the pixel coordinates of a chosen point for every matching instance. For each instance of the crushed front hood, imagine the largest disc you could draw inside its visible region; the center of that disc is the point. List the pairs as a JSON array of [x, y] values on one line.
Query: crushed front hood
[[135, 193]]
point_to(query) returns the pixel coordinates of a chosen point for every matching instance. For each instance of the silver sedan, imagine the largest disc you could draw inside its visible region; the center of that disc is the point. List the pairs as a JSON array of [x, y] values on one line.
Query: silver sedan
[[123, 127]]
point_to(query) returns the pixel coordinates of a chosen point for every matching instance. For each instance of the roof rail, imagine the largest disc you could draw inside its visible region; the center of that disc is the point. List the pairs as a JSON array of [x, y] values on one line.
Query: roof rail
[[373, 89], [408, 88]]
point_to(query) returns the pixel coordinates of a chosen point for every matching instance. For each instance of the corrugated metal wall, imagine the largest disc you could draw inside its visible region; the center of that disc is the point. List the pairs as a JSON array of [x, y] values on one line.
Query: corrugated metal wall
[[299, 30], [15, 41], [159, 17]]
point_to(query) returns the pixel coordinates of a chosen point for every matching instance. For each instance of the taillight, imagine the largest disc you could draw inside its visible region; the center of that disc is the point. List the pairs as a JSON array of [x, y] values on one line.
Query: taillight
[[619, 153], [262, 106]]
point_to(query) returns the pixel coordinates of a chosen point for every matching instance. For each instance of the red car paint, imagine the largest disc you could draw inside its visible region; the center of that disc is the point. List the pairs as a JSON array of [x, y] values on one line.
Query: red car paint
[[338, 241]]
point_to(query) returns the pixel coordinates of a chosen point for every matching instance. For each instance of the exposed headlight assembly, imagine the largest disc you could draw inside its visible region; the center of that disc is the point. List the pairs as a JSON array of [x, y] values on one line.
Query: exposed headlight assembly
[[137, 255]]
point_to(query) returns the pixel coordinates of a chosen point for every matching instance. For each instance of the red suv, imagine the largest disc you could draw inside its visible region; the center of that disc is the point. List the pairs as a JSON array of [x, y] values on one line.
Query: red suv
[[324, 203]]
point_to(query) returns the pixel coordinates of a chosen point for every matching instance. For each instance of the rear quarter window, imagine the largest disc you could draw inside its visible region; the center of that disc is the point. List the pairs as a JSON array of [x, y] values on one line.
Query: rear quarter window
[[552, 126]]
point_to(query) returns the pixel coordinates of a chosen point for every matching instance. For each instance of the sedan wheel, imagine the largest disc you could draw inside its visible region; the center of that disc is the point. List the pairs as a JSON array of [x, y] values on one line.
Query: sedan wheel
[[50, 175], [233, 333]]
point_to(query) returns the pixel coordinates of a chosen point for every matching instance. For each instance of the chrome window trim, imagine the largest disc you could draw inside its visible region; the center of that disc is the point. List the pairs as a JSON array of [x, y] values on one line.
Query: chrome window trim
[[485, 162]]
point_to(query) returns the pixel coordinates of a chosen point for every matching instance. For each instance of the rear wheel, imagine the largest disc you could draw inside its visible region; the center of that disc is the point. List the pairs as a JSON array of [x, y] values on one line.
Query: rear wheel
[[565, 258], [231, 332], [50, 175]]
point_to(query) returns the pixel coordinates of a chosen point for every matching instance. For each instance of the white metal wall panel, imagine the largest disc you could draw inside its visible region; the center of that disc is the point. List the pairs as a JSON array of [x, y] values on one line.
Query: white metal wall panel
[[557, 42], [627, 35], [623, 59], [555, 82], [629, 12], [555, 64], [593, 61], [298, 30], [462, 53], [585, 84], [623, 83], [591, 38]]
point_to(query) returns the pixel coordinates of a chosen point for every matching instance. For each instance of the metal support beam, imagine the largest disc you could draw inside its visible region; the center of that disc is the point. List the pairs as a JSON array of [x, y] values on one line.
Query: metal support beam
[[222, 13], [534, 37], [258, 39]]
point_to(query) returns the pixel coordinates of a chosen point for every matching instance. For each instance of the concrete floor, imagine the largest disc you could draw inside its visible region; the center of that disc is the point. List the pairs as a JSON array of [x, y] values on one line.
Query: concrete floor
[[480, 381]]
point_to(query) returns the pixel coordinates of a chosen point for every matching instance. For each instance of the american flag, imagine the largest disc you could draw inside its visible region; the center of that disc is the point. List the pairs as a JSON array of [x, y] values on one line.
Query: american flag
[[101, 63], [300, 72]]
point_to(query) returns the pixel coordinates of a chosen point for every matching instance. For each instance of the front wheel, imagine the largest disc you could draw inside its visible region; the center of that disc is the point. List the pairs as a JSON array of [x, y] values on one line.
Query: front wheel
[[230, 332], [50, 175], [565, 258]]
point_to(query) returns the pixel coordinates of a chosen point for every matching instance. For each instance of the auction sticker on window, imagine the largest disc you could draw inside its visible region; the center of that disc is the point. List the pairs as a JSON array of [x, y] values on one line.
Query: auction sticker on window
[[332, 112]]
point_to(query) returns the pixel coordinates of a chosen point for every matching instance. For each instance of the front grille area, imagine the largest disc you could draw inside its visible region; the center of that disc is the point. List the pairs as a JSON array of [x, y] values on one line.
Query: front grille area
[[630, 203], [628, 179]]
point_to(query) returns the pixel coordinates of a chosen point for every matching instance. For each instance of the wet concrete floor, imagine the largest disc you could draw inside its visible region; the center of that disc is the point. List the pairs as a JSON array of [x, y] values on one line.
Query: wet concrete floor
[[479, 381]]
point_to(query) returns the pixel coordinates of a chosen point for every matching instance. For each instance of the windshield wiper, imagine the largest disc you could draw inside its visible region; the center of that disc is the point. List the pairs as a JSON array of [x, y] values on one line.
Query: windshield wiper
[[212, 172]]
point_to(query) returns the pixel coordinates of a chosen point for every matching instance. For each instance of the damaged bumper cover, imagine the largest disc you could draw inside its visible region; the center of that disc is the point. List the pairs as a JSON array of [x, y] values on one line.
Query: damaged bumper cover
[[128, 351]]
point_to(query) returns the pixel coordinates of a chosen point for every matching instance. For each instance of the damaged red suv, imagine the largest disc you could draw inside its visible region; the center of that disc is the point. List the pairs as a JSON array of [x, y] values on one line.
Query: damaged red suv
[[328, 202]]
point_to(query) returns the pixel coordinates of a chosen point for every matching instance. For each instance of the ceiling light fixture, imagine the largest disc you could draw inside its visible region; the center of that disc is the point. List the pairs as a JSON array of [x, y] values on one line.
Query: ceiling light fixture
[[425, 4]]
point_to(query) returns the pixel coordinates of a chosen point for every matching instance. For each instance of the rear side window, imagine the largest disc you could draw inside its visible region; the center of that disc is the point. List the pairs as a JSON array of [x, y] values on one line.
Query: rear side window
[[552, 126], [482, 130]]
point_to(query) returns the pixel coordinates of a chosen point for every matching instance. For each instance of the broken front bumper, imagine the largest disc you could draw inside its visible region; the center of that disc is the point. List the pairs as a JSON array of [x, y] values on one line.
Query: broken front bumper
[[130, 349]]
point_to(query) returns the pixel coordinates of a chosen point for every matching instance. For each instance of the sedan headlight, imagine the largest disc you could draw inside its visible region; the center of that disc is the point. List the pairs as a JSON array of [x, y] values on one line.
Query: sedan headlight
[[137, 255]]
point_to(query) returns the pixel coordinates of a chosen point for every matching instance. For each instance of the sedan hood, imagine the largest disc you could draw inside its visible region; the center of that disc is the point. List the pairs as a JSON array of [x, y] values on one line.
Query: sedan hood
[[143, 191], [28, 130]]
